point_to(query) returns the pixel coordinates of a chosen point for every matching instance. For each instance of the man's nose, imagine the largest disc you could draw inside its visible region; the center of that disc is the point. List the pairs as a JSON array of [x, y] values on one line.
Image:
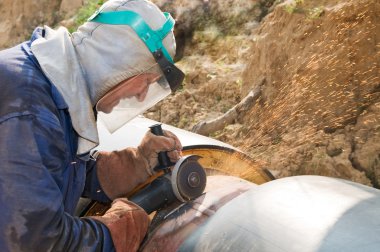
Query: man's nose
[[141, 96]]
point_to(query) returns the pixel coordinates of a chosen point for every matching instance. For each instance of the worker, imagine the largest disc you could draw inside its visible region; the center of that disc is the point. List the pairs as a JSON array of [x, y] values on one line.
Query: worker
[[54, 88]]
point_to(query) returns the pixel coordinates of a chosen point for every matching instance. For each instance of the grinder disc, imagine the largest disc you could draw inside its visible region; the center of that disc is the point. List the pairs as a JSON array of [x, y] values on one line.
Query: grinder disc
[[188, 178]]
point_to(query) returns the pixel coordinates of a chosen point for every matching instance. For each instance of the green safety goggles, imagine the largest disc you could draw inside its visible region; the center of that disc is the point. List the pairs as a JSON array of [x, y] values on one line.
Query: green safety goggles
[[152, 39]]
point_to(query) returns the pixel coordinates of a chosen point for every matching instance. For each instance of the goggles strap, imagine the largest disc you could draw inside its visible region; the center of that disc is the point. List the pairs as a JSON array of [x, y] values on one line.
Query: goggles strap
[[151, 38], [173, 75]]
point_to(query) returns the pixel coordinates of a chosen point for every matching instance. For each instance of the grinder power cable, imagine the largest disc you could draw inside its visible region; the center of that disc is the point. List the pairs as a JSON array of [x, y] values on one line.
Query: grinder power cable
[[184, 180]]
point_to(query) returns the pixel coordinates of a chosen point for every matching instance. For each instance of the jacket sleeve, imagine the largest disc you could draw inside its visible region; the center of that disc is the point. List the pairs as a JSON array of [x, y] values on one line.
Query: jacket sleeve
[[92, 188], [32, 213]]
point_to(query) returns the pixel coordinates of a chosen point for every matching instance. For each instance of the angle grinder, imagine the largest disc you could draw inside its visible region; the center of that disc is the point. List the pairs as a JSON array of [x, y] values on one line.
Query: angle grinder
[[182, 181]]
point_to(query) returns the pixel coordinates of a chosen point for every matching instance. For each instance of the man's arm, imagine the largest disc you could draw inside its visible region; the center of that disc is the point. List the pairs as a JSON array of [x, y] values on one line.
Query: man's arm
[[32, 212]]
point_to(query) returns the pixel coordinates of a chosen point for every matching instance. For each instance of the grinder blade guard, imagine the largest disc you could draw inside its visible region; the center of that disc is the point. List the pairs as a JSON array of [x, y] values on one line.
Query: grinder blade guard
[[188, 178]]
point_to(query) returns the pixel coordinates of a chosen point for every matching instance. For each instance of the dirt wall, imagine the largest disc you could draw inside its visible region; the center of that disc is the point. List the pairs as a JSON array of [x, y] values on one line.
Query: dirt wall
[[320, 78], [18, 18]]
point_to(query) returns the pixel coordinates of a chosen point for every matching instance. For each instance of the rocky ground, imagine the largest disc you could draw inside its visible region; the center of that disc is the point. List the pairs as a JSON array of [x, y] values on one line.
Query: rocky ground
[[316, 64]]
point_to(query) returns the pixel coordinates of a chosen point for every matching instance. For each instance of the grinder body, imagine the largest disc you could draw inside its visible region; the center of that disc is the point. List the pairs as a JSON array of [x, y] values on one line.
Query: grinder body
[[156, 195]]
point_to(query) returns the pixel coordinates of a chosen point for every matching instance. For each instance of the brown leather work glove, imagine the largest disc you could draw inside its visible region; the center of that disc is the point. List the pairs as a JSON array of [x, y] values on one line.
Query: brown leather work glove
[[127, 223], [119, 172], [151, 145]]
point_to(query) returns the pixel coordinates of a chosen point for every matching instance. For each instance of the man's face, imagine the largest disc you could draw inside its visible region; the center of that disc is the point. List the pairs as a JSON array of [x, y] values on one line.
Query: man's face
[[136, 86]]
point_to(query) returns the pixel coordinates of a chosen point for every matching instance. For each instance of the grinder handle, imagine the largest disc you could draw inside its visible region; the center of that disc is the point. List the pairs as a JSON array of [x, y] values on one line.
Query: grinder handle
[[163, 159]]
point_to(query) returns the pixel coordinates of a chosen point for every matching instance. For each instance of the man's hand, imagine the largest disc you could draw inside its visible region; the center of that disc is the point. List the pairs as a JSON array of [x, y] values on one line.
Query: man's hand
[[127, 223], [119, 172], [151, 145]]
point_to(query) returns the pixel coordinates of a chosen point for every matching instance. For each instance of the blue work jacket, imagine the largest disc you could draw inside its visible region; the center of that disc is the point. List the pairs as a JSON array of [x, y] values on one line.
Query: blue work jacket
[[41, 178]]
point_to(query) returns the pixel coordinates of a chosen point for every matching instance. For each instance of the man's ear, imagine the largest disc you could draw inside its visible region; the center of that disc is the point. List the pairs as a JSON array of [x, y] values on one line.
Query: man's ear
[[153, 77]]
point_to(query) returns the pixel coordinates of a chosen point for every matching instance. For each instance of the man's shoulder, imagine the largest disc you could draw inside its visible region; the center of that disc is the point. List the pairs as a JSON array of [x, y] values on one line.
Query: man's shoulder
[[24, 88]]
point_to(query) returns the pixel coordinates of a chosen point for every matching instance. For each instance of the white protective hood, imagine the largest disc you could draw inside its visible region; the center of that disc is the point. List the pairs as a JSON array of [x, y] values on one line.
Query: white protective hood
[[84, 66]]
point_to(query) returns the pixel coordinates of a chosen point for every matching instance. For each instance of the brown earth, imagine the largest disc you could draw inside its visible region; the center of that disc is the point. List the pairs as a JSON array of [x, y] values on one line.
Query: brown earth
[[316, 62]]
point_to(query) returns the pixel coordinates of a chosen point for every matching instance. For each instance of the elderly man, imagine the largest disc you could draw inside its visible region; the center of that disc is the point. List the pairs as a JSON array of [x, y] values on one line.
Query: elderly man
[[53, 88]]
